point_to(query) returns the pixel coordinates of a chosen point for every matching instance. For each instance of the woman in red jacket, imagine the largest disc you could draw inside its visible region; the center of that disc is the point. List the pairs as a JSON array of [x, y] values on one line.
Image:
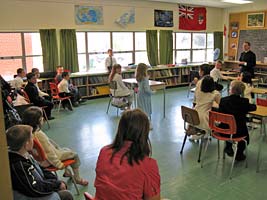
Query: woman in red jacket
[[124, 168]]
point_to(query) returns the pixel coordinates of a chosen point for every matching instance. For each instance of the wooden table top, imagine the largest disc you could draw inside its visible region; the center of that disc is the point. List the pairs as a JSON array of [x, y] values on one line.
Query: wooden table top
[[259, 90], [229, 72], [261, 111], [153, 84]]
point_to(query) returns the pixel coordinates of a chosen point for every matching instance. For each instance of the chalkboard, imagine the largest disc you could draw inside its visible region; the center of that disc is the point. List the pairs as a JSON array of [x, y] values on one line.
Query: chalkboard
[[258, 41]]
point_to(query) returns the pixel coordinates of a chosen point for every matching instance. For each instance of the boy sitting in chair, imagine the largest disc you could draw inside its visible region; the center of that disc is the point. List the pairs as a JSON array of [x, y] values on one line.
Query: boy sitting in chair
[[29, 180]]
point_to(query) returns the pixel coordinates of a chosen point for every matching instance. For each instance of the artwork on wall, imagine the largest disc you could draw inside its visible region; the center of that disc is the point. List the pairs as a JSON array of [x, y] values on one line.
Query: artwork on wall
[[126, 18], [255, 19], [88, 15], [163, 18], [234, 25], [234, 34]]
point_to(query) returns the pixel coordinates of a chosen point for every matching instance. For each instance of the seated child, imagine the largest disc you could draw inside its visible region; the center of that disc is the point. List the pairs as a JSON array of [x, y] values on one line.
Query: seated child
[[216, 74], [204, 102], [29, 179], [121, 90], [64, 91], [55, 154], [239, 107]]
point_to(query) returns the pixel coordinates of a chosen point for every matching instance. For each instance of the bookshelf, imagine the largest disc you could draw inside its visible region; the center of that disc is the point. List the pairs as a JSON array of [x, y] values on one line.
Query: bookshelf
[[96, 85]]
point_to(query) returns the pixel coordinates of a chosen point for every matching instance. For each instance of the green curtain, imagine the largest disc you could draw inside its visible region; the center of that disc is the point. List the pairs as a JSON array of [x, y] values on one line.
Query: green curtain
[[49, 49], [68, 50], [218, 42], [152, 47], [166, 46]]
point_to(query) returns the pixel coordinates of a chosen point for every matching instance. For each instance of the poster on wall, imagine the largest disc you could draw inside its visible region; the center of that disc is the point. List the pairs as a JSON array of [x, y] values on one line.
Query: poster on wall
[[163, 18], [126, 18], [88, 15]]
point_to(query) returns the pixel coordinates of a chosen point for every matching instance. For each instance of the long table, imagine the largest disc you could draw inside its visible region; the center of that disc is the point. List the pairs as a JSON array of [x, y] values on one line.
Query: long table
[[154, 85], [261, 113]]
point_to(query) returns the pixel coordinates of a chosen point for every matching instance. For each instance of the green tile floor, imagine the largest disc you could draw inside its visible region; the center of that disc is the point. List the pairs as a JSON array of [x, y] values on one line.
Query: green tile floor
[[88, 128]]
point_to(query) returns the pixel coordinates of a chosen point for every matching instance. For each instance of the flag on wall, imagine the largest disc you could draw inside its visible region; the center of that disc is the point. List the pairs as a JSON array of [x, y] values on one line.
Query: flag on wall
[[192, 18]]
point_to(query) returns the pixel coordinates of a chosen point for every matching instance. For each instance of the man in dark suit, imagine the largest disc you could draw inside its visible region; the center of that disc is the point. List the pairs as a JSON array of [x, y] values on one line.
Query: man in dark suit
[[247, 59], [33, 94], [238, 107]]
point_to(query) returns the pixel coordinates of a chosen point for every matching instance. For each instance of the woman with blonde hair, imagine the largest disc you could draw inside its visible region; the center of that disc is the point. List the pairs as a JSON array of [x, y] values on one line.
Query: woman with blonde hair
[[144, 91], [122, 90]]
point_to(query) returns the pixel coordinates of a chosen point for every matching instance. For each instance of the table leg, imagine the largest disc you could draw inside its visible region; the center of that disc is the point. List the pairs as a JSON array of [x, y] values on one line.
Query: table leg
[[164, 103], [263, 134]]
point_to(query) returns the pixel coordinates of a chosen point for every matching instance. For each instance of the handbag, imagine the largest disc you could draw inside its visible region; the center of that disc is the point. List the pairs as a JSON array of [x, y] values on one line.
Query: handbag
[[12, 116]]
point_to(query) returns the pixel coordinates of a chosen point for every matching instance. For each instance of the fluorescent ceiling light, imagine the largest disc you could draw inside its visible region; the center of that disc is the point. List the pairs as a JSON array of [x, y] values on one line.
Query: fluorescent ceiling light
[[237, 1]]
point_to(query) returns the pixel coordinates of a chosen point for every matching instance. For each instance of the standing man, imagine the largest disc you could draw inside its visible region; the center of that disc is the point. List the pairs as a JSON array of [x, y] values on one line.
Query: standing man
[[110, 60], [247, 59]]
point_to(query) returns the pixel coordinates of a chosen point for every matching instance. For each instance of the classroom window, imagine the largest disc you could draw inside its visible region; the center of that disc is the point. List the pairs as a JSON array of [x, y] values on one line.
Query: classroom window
[[128, 47], [19, 50], [195, 47]]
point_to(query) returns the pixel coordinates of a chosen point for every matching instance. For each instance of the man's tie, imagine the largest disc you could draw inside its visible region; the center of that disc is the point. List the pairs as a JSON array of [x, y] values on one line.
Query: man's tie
[[111, 62]]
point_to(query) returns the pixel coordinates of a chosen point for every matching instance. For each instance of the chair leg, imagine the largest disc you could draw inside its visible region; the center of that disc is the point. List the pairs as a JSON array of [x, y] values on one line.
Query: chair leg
[[189, 87], [46, 118], [109, 104], [233, 161], [223, 150], [185, 136], [70, 104], [200, 149], [205, 150], [218, 146], [246, 144], [74, 182], [59, 106]]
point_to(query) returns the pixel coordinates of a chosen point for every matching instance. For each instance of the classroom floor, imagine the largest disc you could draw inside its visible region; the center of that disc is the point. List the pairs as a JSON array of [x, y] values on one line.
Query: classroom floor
[[88, 128]]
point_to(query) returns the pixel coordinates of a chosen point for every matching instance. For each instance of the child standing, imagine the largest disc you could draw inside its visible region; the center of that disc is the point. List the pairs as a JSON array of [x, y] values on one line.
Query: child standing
[[144, 91], [55, 154], [122, 90]]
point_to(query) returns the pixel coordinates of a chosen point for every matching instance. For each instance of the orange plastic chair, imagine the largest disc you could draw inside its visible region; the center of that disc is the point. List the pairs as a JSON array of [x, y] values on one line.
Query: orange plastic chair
[[25, 95], [191, 119], [88, 196], [56, 97], [39, 154], [216, 118]]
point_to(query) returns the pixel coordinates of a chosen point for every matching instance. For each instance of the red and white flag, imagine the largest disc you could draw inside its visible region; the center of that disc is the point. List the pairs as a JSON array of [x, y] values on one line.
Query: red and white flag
[[192, 18]]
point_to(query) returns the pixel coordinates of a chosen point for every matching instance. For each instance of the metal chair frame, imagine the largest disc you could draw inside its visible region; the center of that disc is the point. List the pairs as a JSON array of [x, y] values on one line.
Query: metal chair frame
[[191, 120], [113, 85], [56, 97], [39, 154], [216, 118]]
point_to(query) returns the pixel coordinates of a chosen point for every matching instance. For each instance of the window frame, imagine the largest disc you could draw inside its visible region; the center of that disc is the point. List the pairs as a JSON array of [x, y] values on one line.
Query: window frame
[[175, 49], [23, 56], [87, 53]]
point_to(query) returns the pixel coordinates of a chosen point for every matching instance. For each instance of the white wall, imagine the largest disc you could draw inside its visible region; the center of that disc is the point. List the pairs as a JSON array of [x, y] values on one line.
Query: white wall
[[257, 6], [59, 14]]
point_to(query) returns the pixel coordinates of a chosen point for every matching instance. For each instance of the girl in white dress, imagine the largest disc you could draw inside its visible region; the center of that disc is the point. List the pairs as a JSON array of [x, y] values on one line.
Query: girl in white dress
[[205, 99], [122, 90]]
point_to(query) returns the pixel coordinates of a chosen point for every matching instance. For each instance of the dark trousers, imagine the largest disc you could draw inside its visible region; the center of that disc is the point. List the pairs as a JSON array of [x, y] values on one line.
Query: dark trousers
[[64, 94], [240, 147], [48, 106]]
